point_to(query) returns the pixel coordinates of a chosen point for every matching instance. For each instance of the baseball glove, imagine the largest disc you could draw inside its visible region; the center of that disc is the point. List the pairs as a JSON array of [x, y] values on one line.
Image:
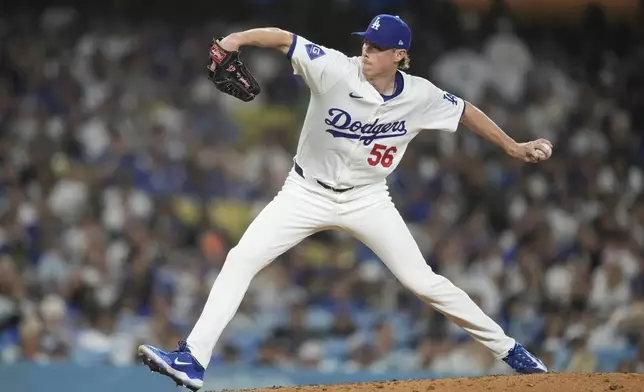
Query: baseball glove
[[227, 72]]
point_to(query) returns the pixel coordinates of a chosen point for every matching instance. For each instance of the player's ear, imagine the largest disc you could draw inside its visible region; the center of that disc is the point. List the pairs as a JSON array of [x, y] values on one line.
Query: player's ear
[[399, 55]]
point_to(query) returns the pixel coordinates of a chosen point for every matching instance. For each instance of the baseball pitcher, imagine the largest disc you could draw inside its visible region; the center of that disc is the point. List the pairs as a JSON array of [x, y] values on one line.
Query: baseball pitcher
[[363, 112]]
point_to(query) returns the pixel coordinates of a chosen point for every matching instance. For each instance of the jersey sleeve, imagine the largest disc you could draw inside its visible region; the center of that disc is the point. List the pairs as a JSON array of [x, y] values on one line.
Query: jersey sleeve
[[319, 66], [442, 110]]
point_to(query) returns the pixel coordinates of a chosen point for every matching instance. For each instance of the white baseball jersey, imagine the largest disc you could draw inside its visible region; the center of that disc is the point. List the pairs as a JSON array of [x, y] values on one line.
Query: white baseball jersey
[[352, 135]]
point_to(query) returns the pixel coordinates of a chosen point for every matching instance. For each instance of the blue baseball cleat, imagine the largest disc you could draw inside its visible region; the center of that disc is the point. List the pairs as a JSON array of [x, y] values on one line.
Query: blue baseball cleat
[[523, 362], [179, 365]]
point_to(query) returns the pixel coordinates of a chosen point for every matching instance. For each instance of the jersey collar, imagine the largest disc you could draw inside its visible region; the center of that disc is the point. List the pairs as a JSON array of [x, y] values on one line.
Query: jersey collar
[[400, 84]]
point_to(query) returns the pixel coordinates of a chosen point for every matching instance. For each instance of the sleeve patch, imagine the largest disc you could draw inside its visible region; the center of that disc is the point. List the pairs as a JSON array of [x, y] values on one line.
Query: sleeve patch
[[450, 98], [314, 51]]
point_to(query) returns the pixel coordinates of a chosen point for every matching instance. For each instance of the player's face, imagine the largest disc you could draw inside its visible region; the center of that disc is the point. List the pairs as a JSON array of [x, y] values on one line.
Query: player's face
[[377, 60]]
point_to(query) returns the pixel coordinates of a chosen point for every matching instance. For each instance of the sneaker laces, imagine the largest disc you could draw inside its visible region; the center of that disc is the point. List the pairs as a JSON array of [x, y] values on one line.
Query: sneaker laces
[[183, 347]]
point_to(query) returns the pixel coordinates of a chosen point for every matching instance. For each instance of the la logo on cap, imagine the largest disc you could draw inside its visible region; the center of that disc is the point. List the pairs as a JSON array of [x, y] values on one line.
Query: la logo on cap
[[376, 24]]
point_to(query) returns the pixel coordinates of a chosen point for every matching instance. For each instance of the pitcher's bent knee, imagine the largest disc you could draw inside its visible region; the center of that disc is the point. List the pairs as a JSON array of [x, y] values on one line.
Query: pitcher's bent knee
[[245, 261], [421, 281]]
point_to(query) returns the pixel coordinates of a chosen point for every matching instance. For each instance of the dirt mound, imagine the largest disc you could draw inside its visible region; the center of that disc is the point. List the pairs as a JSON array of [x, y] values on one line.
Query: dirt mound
[[552, 382]]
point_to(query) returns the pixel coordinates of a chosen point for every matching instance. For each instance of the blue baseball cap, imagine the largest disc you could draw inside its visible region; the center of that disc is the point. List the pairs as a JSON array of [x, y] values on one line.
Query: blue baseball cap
[[388, 31]]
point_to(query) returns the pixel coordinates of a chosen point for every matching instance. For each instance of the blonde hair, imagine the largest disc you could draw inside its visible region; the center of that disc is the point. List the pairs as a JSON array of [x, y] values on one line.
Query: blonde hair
[[405, 63]]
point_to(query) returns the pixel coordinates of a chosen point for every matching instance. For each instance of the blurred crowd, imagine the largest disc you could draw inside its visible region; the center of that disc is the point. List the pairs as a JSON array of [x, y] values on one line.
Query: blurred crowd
[[125, 179]]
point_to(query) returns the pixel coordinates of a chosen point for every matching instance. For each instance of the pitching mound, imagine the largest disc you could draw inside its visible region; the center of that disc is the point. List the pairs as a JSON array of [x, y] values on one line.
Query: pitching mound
[[552, 382]]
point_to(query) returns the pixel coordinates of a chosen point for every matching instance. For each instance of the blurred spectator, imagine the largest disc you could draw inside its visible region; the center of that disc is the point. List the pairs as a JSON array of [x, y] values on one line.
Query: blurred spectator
[[230, 355], [294, 332], [271, 354], [582, 361], [342, 326]]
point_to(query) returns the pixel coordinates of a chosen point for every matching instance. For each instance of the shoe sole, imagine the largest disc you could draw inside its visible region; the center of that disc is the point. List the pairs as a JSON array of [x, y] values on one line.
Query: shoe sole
[[158, 365], [533, 371]]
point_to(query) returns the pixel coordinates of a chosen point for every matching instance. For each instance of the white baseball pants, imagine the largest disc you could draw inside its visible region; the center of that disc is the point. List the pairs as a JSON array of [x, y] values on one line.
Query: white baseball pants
[[303, 207]]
